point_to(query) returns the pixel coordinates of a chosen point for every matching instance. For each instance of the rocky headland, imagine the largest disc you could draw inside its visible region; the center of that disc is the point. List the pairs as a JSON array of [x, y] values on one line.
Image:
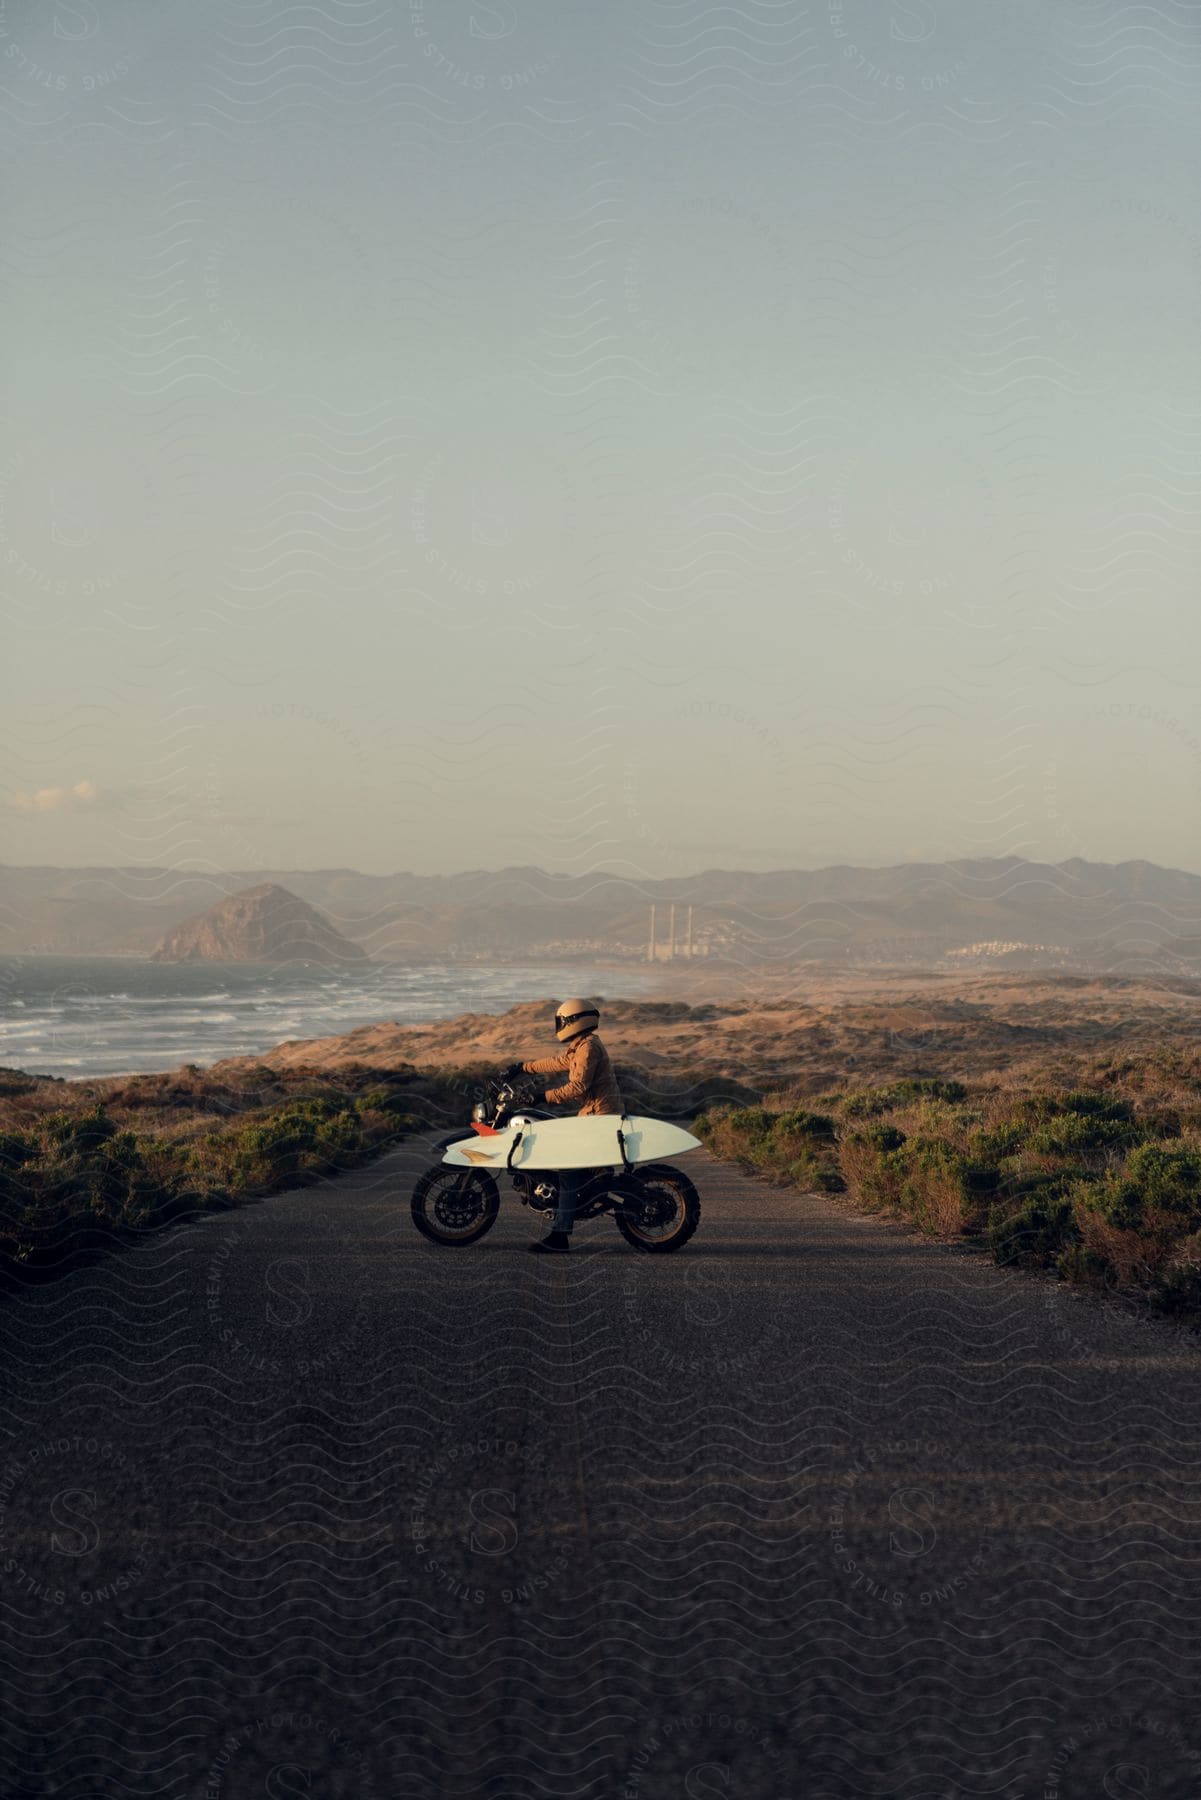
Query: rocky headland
[[263, 924]]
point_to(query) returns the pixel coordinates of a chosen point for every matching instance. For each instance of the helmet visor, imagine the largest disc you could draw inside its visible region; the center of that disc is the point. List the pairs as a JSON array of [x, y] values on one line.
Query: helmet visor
[[562, 1019]]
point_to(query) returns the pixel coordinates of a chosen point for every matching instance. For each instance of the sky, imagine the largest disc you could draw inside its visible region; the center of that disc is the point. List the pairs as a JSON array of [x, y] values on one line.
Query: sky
[[649, 437]]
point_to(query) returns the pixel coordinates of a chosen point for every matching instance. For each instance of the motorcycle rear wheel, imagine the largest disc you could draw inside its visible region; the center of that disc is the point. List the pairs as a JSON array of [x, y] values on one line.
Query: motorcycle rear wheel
[[660, 1211], [455, 1207]]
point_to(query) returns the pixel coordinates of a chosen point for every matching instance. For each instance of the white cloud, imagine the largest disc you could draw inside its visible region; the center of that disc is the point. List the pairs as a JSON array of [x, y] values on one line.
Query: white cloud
[[58, 799]]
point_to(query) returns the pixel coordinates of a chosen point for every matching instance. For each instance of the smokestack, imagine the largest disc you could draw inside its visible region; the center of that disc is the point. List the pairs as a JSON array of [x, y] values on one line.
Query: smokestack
[[689, 950], [650, 955], [671, 931]]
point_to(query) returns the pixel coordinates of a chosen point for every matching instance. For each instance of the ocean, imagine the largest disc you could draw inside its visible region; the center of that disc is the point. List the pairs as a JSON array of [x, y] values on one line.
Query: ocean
[[120, 1015]]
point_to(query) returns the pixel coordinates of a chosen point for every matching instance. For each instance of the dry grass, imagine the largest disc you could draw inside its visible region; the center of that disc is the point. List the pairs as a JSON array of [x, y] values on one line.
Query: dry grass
[[82, 1163], [1102, 1183]]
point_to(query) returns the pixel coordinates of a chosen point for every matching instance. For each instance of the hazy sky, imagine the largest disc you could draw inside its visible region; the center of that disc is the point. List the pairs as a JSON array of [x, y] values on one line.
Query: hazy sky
[[643, 436]]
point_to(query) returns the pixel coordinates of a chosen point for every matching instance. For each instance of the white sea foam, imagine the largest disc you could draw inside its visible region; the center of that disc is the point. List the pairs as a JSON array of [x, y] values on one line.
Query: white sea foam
[[110, 1016]]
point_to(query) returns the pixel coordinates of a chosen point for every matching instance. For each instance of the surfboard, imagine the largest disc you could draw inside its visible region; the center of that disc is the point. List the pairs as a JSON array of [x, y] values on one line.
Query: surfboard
[[581, 1143]]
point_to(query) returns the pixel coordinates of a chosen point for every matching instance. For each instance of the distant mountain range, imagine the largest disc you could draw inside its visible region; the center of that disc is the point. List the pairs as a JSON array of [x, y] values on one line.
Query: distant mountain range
[[1001, 912]]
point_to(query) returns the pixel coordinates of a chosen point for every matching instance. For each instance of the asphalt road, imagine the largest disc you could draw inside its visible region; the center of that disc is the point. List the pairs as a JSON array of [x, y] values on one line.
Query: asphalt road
[[295, 1504]]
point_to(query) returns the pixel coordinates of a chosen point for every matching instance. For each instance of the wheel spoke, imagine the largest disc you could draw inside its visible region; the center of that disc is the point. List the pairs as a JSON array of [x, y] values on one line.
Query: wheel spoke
[[455, 1203], [661, 1211]]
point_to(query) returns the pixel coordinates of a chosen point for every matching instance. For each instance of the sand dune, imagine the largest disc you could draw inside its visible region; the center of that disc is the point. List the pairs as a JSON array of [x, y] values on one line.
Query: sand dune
[[835, 1027]]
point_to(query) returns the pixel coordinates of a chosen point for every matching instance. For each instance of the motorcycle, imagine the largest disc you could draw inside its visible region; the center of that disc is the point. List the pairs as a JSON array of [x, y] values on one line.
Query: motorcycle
[[654, 1206]]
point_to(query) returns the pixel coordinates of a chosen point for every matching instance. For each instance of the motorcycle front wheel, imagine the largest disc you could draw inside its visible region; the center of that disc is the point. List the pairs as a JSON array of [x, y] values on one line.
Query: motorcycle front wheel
[[455, 1206], [660, 1208]]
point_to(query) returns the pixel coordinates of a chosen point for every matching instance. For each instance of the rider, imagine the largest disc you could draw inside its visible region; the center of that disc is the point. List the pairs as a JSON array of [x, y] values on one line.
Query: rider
[[590, 1078]]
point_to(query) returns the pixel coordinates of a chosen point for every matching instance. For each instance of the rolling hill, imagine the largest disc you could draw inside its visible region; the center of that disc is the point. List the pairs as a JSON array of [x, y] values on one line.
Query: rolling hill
[[1000, 912]]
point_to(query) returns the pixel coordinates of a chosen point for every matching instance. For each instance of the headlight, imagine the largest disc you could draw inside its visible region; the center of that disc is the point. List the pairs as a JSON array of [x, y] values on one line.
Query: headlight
[[479, 1113]]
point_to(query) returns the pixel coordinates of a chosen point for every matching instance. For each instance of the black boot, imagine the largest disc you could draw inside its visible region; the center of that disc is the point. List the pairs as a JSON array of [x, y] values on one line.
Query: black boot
[[558, 1240]]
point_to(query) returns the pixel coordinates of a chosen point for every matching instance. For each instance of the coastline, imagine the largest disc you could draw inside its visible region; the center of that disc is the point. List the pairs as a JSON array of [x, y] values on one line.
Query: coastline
[[75, 1017]]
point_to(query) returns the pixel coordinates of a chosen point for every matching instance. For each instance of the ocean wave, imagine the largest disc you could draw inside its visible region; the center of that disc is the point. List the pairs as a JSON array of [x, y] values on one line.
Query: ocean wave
[[148, 1021]]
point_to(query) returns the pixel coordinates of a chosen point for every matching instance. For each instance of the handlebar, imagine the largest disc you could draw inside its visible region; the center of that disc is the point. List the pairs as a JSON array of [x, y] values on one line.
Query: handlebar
[[510, 1090], [522, 1091]]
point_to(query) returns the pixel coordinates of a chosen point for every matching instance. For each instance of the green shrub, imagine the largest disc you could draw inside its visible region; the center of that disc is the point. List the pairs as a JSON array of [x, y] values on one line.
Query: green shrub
[[1072, 1125], [870, 1102], [935, 1186], [827, 1178], [1080, 1181], [1085, 1268], [796, 1146], [77, 1132], [881, 1137], [379, 1129], [1163, 1121], [728, 1133], [290, 1140], [997, 1142], [1086, 1104], [85, 1174], [804, 1124], [384, 1100], [1179, 1288], [809, 1169], [15, 1150], [1135, 1218], [1157, 1183], [1037, 1232], [93, 1174], [337, 1139], [982, 1177], [1036, 1109], [871, 1164], [1073, 1134], [752, 1122], [272, 1148], [867, 1104], [926, 1087], [72, 1177]]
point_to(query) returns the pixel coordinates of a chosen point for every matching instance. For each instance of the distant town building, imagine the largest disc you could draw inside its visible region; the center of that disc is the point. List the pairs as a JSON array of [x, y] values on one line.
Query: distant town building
[[993, 947]]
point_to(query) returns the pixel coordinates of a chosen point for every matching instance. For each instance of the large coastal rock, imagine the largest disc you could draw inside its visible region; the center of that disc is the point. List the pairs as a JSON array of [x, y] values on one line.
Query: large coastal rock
[[259, 924]]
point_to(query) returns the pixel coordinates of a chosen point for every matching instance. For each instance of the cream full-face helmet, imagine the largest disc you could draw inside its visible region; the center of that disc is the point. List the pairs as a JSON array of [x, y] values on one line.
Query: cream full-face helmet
[[572, 1017]]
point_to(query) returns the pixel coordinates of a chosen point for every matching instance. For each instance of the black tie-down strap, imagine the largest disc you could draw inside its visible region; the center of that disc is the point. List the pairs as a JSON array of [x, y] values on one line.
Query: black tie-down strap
[[513, 1149], [621, 1145]]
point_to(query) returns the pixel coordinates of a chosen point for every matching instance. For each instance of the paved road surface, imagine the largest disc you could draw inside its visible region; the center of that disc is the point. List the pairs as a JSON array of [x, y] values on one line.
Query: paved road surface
[[295, 1504]]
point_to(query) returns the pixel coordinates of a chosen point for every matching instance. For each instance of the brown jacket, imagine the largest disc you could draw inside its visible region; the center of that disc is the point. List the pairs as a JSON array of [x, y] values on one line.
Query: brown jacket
[[590, 1076]]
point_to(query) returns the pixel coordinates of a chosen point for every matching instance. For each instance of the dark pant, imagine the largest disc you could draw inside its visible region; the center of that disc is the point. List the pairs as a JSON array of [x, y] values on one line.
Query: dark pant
[[570, 1183]]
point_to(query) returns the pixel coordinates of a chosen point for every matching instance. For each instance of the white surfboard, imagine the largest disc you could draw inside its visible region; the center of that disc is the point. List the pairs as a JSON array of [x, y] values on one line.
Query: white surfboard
[[581, 1143]]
